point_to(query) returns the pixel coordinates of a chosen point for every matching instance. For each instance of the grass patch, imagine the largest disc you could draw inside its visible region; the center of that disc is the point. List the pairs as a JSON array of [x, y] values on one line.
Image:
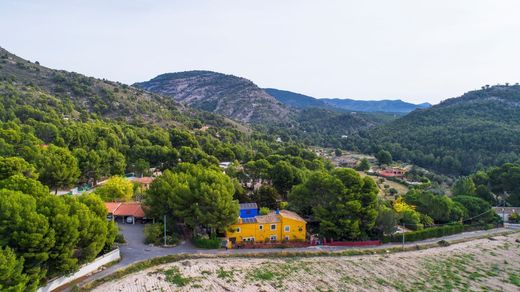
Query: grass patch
[[226, 275], [261, 275], [175, 277], [514, 279]]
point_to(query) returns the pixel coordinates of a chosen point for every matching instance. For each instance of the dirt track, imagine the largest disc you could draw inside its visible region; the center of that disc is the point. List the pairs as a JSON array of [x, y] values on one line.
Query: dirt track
[[482, 264]]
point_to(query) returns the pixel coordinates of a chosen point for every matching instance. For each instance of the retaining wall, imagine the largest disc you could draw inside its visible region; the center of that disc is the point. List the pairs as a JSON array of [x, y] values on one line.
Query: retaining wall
[[83, 271]]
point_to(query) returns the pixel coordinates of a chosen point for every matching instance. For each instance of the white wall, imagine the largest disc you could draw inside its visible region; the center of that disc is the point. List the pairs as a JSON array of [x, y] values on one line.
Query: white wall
[[84, 270]]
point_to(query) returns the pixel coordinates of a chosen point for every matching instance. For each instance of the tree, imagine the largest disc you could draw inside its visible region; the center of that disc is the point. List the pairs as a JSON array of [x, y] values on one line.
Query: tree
[[58, 168], [25, 185], [141, 167], [338, 152], [194, 195], [384, 157], [65, 226], [477, 209], [25, 231], [90, 164], [343, 203], [464, 186], [363, 165], [284, 176], [16, 165], [267, 196], [116, 188], [440, 208], [484, 193], [12, 278], [407, 213], [387, 220], [93, 227]]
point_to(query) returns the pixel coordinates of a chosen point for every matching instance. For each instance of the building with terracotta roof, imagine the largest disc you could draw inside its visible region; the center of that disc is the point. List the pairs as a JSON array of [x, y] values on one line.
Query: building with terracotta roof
[[129, 212], [392, 172], [144, 181], [277, 226]]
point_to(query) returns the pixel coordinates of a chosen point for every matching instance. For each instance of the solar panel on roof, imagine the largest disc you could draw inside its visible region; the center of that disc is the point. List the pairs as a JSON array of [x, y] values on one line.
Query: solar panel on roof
[[248, 206], [249, 220]]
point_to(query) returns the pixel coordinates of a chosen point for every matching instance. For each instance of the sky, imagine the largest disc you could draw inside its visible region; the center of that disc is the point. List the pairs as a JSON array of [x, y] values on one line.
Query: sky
[[414, 50]]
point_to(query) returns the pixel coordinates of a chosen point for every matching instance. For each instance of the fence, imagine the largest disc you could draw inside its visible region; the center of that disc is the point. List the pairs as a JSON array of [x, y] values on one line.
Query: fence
[[354, 243], [83, 271]]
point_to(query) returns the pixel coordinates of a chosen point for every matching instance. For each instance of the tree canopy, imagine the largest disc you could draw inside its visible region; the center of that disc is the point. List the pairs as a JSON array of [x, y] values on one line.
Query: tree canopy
[[194, 195]]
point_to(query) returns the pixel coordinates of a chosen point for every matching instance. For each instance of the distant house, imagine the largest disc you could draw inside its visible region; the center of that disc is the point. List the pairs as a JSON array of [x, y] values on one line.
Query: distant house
[[145, 181], [248, 210], [276, 226], [127, 212], [505, 212], [392, 172]]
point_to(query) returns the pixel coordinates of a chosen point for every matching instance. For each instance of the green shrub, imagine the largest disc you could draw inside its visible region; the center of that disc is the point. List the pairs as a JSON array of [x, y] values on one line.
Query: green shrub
[[426, 233], [514, 218], [120, 238], [264, 211], [153, 233], [208, 243]]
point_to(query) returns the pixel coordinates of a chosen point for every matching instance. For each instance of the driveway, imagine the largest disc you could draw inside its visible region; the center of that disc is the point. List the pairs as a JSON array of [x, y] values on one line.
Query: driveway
[[135, 250]]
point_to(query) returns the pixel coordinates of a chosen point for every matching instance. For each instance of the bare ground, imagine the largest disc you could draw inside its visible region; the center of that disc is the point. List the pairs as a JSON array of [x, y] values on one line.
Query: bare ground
[[478, 265]]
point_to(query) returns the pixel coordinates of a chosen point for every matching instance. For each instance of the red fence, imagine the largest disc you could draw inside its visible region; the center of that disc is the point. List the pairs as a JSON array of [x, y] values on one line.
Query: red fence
[[353, 243], [306, 244], [274, 245]]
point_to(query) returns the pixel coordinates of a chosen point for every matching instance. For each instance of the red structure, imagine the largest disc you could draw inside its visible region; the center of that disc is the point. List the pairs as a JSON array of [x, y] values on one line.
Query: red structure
[[392, 172]]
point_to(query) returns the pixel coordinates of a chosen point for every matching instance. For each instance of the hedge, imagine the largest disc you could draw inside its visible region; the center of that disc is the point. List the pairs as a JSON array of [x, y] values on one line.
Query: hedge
[[425, 233], [208, 243]]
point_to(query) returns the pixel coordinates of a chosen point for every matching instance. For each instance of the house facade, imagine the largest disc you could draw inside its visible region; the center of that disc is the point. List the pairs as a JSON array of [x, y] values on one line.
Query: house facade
[[277, 226], [248, 210]]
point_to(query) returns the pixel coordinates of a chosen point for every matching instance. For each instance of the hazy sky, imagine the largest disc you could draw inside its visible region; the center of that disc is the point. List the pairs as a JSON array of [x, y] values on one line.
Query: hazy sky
[[414, 50]]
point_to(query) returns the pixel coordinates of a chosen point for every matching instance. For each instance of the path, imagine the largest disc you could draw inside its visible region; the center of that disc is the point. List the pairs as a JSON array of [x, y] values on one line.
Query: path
[[135, 250]]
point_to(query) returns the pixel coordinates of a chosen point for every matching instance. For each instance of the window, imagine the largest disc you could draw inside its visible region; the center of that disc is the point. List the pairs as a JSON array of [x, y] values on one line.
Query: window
[[273, 237], [273, 226], [248, 239], [287, 228], [261, 227], [286, 238], [237, 230]]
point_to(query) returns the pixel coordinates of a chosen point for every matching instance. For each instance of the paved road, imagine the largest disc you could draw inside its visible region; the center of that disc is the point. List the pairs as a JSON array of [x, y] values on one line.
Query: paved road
[[135, 250]]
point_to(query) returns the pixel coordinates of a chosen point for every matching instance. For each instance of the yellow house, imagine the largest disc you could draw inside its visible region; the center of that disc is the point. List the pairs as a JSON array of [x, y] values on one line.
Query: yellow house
[[277, 226]]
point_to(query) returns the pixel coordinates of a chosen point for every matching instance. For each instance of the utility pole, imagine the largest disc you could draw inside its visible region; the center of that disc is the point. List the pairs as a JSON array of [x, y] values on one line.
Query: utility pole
[[402, 232], [164, 230]]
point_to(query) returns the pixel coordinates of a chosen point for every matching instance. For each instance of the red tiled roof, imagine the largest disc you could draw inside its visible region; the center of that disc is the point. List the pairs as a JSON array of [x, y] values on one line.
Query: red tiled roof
[[126, 209], [112, 206]]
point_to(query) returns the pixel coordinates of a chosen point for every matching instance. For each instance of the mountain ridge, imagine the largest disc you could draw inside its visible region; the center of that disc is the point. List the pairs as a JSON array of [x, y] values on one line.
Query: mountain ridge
[[298, 100]]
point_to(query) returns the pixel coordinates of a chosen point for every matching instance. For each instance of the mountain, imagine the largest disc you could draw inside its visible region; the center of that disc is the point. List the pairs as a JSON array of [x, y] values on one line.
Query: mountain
[[460, 135], [294, 99], [106, 99], [297, 100], [392, 106], [231, 96]]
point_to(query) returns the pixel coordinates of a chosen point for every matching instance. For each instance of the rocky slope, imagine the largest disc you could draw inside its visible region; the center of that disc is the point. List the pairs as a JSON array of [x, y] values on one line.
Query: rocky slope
[[234, 97]]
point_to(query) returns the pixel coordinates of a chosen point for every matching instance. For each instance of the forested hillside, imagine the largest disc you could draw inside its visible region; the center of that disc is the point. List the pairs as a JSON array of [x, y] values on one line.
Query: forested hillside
[[458, 136], [231, 96]]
